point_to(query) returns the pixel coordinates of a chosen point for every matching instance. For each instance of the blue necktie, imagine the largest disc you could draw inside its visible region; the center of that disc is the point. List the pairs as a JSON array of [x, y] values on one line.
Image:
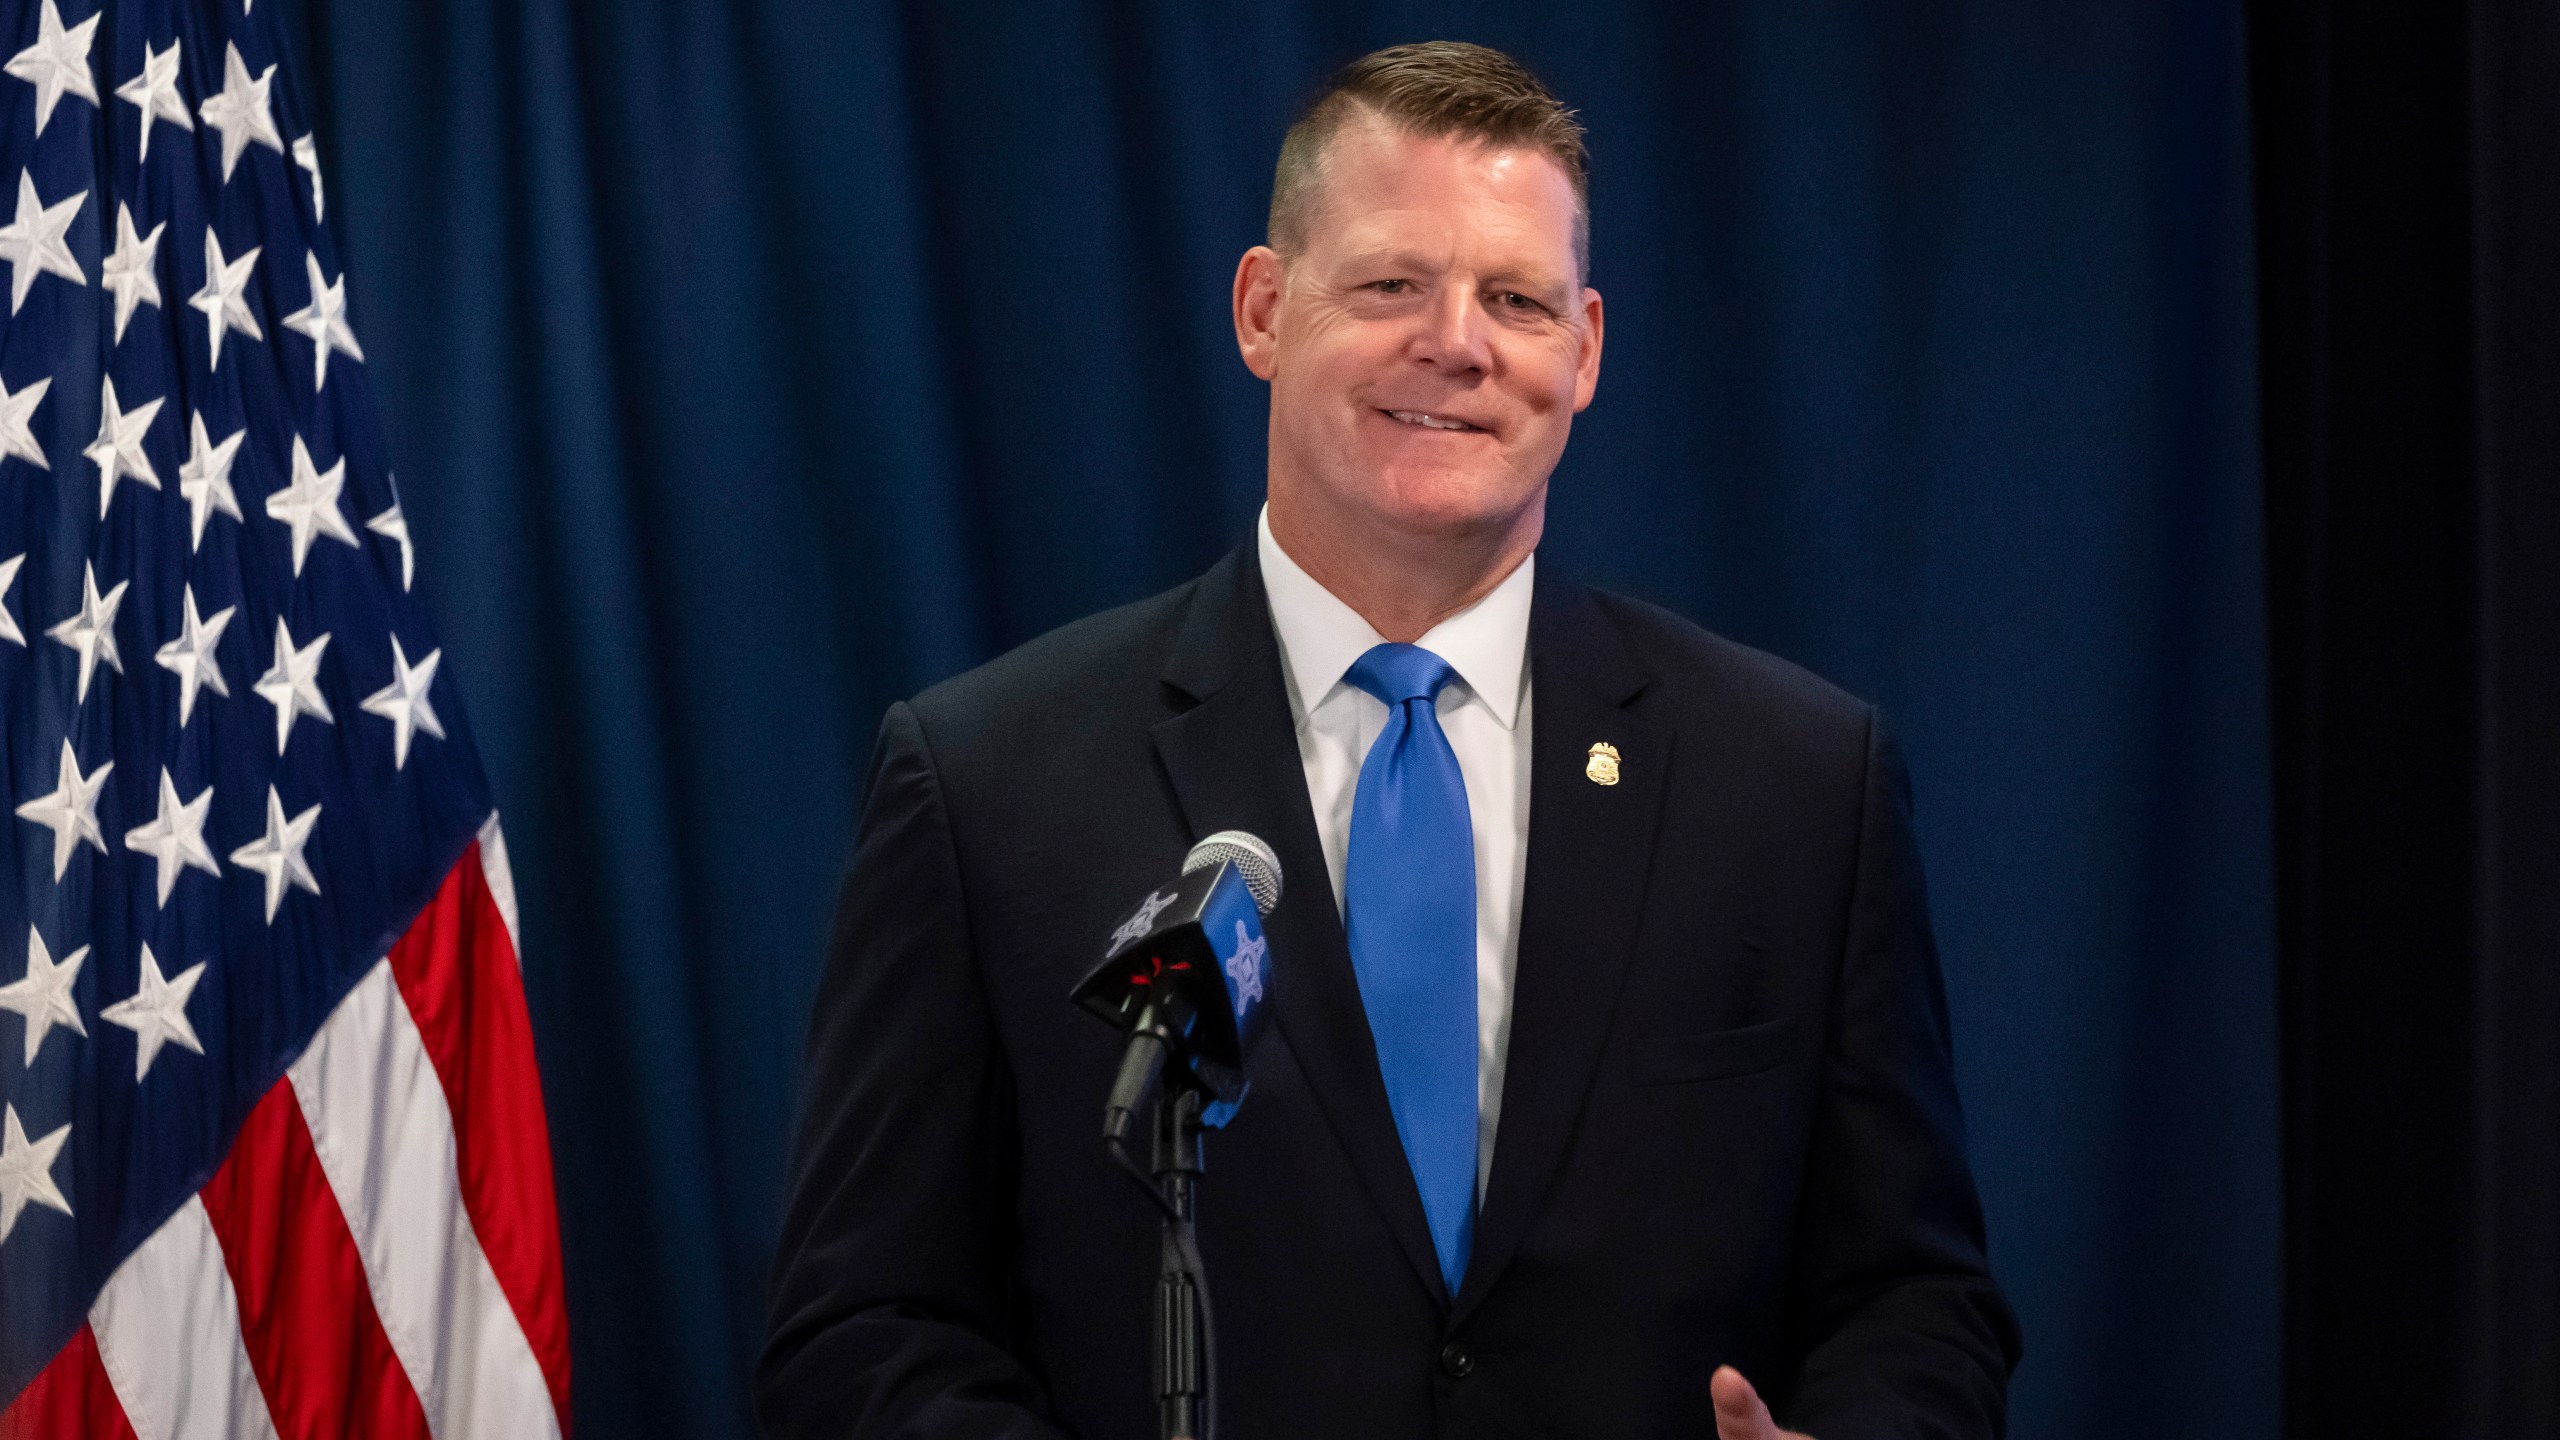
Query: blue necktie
[[1409, 904]]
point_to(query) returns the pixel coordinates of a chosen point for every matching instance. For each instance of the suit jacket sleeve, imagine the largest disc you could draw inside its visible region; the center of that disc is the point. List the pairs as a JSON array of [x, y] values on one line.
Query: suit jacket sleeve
[[890, 1293], [1904, 1333]]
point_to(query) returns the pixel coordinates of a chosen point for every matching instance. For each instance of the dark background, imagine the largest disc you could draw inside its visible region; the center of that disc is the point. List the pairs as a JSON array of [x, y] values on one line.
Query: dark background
[[751, 364]]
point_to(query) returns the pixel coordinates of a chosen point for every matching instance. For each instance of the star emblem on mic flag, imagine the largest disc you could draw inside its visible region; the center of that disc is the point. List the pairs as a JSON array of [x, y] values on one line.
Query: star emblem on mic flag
[[33, 244], [403, 702], [224, 305], [277, 855], [71, 811], [205, 479], [1245, 965], [175, 838], [310, 504], [26, 1170], [1136, 926], [58, 63], [242, 111], [155, 93], [43, 995], [91, 630], [292, 683], [156, 1013]]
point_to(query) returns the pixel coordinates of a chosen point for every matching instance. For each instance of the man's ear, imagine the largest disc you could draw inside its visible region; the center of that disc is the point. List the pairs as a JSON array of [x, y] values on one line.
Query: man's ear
[[1587, 366], [1259, 278]]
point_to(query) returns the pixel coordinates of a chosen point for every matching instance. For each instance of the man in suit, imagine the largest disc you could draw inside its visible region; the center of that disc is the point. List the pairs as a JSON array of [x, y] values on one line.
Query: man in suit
[[1609, 1092]]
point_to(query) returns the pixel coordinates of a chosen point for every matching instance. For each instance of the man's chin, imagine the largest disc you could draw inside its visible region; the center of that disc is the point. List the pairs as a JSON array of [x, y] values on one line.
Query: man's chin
[[1438, 502]]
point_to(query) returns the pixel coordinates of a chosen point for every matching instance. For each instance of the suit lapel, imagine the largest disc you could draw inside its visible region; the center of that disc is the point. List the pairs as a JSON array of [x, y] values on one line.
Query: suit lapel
[[1233, 762], [1590, 853]]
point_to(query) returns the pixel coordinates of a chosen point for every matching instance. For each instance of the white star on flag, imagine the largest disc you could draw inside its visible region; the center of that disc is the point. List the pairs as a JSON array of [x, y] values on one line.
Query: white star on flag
[[17, 437], [71, 811], [43, 994], [205, 479], [91, 630], [190, 656], [33, 244], [224, 306], [307, 155], [291, 684], [175, 838], [9, 630], [310, 504], [278, 853], [394, 525], [26, 1170], [58, 63], [155, 92], [324, 320], [117, 452], [156, 1013], [128, 272], [403, 702], [241, 111]]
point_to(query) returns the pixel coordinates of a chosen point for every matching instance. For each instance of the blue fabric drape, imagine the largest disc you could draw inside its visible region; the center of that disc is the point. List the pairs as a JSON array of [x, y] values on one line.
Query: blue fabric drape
[[751, 363]]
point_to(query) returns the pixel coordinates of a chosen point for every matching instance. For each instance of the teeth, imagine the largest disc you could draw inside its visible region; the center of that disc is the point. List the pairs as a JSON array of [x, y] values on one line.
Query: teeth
[[1416, 417]]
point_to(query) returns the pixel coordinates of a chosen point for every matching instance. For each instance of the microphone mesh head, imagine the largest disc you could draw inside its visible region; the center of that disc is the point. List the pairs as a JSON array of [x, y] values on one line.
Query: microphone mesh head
[[1253, 860]]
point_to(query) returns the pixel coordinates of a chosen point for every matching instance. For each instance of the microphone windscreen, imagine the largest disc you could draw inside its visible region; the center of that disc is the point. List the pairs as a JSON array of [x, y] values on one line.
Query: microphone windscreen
[[1253, 860]]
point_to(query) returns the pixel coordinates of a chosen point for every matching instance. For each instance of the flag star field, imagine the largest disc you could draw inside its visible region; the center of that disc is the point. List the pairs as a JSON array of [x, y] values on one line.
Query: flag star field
[[252, 893]]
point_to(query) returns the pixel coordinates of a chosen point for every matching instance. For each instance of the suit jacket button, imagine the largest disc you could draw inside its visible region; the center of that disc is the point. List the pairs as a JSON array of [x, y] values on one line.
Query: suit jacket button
[[1455, 1362]]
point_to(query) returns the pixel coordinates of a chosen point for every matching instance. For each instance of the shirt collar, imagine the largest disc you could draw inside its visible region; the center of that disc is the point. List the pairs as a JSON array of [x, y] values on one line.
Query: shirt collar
[[1487, 643]]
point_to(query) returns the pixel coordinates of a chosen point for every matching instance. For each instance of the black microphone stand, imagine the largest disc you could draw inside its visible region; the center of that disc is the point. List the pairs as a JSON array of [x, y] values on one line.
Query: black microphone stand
[[1184, 1360], [1185, 1352]]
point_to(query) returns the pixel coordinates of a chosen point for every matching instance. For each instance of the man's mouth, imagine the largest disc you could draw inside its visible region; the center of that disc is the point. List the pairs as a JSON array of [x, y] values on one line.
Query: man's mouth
[[1428, 421]]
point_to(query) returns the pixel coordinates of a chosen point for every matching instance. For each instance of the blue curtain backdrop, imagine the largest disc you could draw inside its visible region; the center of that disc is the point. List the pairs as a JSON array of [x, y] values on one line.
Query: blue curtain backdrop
[[753, 363]]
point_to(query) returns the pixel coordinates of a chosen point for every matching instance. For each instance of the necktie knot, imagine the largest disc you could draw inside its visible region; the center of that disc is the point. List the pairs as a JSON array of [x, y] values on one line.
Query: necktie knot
[[1398, 673]]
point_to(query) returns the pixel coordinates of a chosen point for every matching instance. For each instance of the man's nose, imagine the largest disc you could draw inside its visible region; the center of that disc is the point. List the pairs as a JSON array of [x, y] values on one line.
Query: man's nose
[[1455, 335]]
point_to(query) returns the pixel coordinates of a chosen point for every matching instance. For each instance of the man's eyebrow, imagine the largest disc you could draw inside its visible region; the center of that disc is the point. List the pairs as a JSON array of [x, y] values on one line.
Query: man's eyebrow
[[1394, 260], [1527, 278]]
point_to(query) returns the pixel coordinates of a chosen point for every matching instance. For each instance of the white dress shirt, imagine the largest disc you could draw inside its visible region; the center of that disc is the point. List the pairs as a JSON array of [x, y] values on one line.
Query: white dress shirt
[[1484, 712]]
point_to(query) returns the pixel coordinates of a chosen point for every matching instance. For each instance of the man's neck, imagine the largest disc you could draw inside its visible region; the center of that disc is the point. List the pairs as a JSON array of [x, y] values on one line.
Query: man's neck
[[1403, 585]]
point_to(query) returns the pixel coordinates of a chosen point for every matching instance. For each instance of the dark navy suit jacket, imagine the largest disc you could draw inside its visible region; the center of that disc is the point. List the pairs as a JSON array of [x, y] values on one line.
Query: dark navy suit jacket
[[1729, 1123]]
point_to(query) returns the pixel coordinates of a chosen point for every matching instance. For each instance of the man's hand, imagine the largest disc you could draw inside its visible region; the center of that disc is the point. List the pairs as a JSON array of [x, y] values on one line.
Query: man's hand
[[1739, 1413]]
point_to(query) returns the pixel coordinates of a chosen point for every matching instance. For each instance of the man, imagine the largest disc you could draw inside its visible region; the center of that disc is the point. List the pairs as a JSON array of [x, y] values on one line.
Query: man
[[1610, 1078]]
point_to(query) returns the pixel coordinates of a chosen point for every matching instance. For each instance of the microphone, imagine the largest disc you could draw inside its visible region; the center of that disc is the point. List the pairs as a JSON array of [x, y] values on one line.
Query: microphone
[[1188, 975]]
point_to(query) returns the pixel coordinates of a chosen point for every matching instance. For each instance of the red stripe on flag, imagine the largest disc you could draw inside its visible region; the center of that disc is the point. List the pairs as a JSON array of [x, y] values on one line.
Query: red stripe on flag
[[306, 1312], [456, 969], [69, 1399]]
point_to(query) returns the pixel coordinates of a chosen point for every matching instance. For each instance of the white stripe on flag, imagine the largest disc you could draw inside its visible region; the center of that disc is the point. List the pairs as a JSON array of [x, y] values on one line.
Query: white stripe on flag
[[168, 1327], [502, 881], [379, 1121]]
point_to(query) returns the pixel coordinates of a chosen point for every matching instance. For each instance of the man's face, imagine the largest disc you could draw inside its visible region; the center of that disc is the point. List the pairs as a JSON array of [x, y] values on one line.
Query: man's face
[[1430, 345]]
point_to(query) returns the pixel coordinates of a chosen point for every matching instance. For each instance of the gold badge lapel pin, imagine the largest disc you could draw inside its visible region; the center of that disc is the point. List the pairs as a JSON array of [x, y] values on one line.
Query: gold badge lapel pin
[[1602, 768]]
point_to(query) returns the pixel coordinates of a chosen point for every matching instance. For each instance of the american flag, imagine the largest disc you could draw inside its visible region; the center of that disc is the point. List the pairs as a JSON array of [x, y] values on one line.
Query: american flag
[[272, 1152]]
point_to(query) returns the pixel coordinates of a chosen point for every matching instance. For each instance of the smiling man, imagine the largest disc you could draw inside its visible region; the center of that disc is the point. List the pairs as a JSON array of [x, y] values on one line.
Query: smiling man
[[1610, 1092]]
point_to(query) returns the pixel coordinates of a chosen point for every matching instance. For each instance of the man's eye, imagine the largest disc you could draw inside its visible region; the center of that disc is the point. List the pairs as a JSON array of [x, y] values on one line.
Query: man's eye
[[1392, 287], [1517, 301]]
